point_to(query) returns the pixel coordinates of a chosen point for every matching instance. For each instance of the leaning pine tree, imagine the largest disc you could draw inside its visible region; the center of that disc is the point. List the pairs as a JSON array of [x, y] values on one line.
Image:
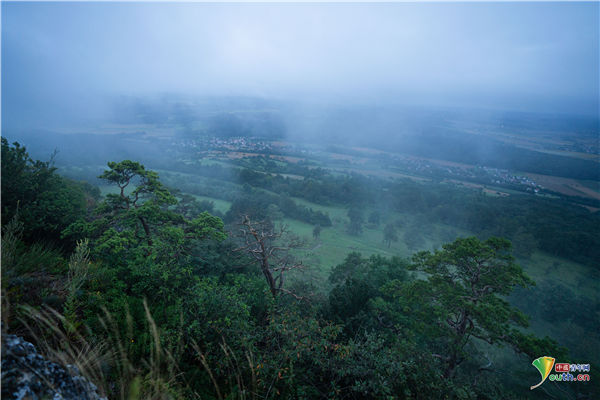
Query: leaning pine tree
[[463, 299]]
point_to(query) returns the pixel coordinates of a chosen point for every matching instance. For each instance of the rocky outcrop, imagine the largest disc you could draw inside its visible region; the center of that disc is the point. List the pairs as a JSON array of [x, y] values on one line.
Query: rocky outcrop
[[29, 376]]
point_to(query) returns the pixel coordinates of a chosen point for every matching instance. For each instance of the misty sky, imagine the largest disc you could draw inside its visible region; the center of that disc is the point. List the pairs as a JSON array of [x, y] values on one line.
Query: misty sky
[[72, 57]]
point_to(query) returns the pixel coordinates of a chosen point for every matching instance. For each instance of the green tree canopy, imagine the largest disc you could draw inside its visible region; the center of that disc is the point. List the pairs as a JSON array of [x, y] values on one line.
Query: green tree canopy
[[356, 220], [390, 234], [316, 231], [462, 299], [141, 221], [46, 202]]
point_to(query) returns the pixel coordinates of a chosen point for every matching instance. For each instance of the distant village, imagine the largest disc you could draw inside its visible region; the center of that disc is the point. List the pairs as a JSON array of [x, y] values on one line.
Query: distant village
[[479, 174], [243, 144], [207, 146]]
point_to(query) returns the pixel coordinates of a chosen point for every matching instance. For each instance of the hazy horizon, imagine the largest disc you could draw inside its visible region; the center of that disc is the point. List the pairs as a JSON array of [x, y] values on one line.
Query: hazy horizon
[[63, 63]]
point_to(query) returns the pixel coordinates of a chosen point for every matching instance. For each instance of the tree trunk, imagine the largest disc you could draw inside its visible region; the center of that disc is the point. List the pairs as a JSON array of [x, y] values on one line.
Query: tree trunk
[[270, 280], [453, 360], [146, 230]]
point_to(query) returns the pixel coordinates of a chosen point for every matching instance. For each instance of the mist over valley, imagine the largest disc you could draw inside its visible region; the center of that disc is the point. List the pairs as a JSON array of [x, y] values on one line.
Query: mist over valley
[[388, 200]]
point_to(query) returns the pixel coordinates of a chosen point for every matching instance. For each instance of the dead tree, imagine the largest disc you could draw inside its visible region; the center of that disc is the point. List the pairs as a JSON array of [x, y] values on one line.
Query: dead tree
[[264, 243]]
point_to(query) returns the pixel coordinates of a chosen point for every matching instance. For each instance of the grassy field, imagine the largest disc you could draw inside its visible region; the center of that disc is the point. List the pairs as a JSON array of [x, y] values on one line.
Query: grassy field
[[335, 242], [582, 282], [220, 205]]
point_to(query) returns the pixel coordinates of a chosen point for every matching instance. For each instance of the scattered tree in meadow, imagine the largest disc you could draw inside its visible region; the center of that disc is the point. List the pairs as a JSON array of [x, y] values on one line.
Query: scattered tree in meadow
[[375, 218], [316, 232], [413, 239], [390, 234], [274, 212], [356, 221], [524, 243], [189, 206]]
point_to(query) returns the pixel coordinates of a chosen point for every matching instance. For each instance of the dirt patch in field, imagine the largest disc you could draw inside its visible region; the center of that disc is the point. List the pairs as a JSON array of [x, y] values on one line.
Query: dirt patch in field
[[382, 173], [369, 151], [347, 157], [288, 158], [465, 184], [567, 186], [496, 193], [239, 154], [478, 186], [278, 143], [291, 176], [450, 163]]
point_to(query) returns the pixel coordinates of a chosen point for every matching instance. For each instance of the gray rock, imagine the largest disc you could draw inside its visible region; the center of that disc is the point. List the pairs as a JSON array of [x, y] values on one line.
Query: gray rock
[[28, 375]]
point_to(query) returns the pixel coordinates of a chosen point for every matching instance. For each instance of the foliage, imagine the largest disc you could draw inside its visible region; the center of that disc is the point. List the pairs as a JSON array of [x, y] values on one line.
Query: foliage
[[552, 225], [154, 301], [316, 231], [357, 282], [390, 234], [259, 206], [462, 299], [356, 217], [46, 202], [375, 218], [26, 272]]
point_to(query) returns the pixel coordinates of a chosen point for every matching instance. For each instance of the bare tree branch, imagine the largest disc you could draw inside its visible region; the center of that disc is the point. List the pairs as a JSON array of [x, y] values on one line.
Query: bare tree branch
[[260, 242]]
